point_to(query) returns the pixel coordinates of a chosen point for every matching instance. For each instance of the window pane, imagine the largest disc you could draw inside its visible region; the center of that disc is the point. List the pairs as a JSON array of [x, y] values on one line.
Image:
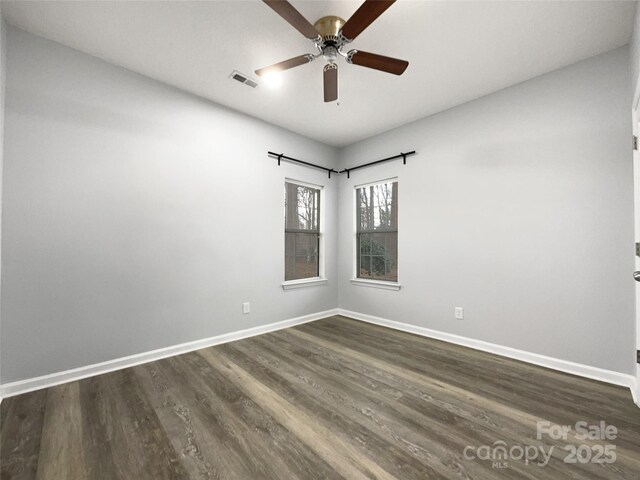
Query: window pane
[[391, 244], [302, 231], [365, 267], [377, 207], [383, 243], [301, 255], [289, 244], [306, 267], [289, 267], [302, 207], [306, 244], [377, 231], [377, 243], [391, 269], [364, 244], [378, 267]]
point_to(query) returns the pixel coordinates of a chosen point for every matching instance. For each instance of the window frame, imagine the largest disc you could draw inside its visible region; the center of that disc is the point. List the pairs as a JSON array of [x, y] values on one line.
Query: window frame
[[320, 279], [366, 282]]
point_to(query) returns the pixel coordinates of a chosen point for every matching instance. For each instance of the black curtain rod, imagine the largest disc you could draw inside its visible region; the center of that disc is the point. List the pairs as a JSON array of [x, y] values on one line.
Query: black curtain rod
[[402, 155], [281, 156]]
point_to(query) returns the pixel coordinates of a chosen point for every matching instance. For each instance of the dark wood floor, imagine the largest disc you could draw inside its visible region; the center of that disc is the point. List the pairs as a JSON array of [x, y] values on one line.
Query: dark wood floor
[[330, 399]]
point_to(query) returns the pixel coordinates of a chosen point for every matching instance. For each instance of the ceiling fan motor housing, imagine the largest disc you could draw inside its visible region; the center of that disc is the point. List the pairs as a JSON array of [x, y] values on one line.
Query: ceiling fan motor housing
[[329, 29]]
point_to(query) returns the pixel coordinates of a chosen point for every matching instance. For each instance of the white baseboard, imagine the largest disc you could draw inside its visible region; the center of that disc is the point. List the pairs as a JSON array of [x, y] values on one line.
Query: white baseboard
[[635, 389], [45, 381], [566, 366]]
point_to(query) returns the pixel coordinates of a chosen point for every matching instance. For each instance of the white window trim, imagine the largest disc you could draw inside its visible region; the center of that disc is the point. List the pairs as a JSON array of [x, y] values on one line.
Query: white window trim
[[321, 278], [303, 283], [365, 282]]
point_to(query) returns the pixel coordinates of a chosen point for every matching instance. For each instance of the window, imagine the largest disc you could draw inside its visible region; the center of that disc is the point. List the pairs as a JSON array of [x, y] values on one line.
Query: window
[[377, 231], [301, 231]]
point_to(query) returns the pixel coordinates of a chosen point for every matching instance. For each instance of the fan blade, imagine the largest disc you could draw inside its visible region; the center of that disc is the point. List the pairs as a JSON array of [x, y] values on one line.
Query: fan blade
[[330, 74], [286, 65], [378, 62], [364, 16], [293, 17]]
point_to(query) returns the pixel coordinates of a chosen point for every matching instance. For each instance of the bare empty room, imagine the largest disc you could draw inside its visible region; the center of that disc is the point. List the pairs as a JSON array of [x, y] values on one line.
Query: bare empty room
[[363, 239]]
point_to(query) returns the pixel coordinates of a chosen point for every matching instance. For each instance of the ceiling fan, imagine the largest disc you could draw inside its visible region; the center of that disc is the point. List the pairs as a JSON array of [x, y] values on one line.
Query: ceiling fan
[[330, 35]]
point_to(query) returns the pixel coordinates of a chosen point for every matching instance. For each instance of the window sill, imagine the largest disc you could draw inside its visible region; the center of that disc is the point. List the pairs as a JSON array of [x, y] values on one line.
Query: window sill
[[305, 282], [361, 282]]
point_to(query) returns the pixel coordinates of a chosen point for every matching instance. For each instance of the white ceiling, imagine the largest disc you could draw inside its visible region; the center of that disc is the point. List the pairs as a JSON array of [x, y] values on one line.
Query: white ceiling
[[457, 51]]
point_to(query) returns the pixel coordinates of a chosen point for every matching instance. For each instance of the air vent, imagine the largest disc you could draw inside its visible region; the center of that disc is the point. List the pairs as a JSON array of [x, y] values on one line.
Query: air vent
[[235, 75]]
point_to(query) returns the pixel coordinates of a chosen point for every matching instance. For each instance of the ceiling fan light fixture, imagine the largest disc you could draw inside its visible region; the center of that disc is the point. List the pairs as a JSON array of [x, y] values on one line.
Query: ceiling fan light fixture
[[330, 54], [272, 79]]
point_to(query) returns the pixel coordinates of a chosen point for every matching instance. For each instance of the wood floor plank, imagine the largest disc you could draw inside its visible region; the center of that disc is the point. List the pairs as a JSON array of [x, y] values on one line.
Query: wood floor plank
[[63, 418], [205, 452], [21, 436], [140, 445], [332, 399], [97, 446], [345, 457], [219, 403], [335, 420], [283, 453]]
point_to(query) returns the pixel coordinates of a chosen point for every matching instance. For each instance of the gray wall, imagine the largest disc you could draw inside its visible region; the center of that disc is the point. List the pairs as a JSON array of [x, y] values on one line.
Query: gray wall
[[137, 216], [3, 70], [634, 50], [518, 208]]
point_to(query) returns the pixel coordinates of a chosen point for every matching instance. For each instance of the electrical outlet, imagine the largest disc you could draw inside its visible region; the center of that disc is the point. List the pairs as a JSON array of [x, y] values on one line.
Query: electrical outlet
[[246, 307], [459, 311]]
